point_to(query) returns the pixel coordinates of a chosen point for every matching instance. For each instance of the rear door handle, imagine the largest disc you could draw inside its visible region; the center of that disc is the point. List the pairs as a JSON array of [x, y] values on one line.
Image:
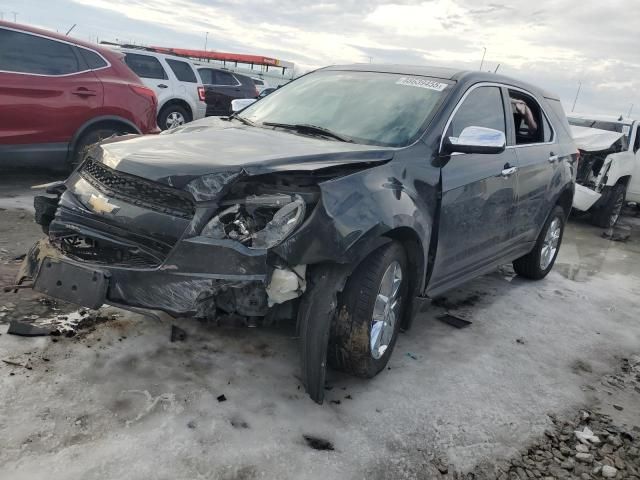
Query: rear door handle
[[509, 171], [84, 92], [162, 85], [553, 158]]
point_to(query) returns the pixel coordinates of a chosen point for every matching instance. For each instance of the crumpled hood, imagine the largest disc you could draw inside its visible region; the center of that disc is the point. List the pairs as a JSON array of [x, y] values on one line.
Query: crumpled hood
[[214, 145], [593, 139]]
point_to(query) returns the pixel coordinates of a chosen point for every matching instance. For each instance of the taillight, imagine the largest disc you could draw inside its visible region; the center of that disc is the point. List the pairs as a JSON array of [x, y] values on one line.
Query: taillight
[[201, 95], [256, 90], [144, 92]]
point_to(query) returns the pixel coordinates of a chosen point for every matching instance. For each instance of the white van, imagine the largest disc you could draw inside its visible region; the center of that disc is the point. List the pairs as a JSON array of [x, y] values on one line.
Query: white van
[[176, 82]]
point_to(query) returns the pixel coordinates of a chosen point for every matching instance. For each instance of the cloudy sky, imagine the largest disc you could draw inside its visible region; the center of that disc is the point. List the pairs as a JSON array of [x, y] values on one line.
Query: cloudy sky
[[552, 43]]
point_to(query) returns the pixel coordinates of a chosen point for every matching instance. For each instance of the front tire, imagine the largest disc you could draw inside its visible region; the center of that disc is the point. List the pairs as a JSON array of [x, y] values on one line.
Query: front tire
[[369, 313], [539, 261], [607, 215]]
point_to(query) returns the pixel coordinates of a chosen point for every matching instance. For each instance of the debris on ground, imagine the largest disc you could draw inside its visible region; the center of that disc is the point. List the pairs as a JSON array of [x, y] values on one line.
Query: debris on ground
[[453, 320], [318, 443], [178, 334], [221, 398], [521, 341], [28, 329], [411, 355], [590, 445], [619, 233]]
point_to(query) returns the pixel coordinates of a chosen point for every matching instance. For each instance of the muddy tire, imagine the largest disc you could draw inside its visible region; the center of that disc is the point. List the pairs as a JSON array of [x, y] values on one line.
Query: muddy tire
[[369, 313], [173, 116], [87, 140], [606, 216], [539, 261]]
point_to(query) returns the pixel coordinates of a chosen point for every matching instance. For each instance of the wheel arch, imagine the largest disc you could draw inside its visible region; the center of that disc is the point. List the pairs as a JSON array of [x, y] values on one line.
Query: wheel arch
[[179, 102], [104, 121]]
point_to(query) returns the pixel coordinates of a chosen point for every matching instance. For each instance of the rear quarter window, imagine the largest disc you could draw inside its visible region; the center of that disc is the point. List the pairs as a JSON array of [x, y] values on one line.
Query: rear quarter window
[[92, 59], [182, 71]]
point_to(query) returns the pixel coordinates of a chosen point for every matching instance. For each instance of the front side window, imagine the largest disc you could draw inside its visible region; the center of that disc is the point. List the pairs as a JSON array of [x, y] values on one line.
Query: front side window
[[373, 108], [145, 66], [26, 53], [483, 107], [527, 118], [182, 71]]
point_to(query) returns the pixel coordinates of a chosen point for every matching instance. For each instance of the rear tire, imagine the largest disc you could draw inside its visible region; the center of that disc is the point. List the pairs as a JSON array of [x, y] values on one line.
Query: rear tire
[[369, 313], [607, 215], [87, 140], [172, 116], [539, 261]]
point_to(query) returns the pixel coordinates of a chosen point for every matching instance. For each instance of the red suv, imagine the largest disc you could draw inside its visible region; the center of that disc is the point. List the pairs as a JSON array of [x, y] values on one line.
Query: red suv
[[58, 95]]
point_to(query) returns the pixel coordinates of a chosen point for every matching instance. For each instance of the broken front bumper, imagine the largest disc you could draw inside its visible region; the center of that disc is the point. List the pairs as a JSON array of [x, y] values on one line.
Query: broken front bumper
[[236, 275]]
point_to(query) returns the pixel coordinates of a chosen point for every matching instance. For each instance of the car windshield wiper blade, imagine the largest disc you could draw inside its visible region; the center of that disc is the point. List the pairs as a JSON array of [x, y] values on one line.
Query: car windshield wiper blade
[[242, 119], [308, 128]]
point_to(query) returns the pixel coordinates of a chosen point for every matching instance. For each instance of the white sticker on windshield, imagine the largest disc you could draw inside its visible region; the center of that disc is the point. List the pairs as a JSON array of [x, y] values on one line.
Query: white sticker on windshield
[[421, 83]]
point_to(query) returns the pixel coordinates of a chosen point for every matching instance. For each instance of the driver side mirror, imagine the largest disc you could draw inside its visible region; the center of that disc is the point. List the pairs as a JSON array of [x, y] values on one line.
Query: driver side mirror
[[476, 140]]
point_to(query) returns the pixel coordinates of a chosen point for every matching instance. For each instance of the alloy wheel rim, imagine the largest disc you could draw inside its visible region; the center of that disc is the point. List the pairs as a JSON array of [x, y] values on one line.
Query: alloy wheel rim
[[174, 119], [550, 243], [386, 310]]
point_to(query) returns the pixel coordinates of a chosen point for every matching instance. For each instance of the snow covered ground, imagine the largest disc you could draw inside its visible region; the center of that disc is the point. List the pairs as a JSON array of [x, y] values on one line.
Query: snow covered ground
[[122, 401]]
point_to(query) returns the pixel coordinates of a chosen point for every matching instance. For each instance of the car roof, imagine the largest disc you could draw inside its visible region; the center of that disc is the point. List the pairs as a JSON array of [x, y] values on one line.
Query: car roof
[[144, 51], [452, 74], [603, 118], [54, 35]]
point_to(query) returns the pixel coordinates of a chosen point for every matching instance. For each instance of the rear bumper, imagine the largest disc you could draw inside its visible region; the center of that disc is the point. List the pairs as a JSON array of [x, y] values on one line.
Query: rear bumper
[[201, 111]]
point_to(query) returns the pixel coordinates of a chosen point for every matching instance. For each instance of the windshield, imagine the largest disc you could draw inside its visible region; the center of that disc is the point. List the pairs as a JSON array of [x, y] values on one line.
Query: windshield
[[365, 107]]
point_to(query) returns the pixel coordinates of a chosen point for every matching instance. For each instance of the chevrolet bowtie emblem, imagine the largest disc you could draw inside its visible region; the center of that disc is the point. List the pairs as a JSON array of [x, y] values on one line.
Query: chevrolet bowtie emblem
[[101, 204]]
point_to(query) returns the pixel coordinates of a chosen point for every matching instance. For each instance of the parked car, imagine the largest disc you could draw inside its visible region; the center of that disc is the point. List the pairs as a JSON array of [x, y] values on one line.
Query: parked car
[[222, 86], [344, 200], [609, 167], [176, 82], [58, 95], [240, 103], [260, 83]]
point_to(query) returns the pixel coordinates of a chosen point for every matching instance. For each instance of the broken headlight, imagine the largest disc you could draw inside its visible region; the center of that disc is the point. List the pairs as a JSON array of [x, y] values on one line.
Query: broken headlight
[[258, 221]]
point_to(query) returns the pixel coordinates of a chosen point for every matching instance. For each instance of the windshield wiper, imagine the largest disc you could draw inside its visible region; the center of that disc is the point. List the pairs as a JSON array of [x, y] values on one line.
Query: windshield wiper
[[307, 128], [242, 119]]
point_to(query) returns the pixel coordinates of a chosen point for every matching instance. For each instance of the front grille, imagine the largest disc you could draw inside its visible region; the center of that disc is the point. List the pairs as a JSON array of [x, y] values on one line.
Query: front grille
[[136, 190]]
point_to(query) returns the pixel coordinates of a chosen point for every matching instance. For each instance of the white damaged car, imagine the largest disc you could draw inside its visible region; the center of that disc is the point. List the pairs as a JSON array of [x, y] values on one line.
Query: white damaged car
[[609, 167]]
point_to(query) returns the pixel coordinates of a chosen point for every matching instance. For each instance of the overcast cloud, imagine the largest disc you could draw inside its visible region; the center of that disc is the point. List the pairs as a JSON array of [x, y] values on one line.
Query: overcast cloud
[[552, 43]]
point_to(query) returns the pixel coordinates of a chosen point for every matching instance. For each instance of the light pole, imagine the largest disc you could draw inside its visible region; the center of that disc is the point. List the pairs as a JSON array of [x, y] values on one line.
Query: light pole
[[483, 54], [576, 99], [15, 16], [206, 37], [630, 110]]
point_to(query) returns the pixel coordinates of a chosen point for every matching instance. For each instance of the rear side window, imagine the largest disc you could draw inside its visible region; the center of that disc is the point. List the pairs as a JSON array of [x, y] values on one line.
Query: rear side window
[[182, 70], [530, 123], [223, 78], [26, 53], [92, 59], [145, 66], [258, 82], [483, 107]]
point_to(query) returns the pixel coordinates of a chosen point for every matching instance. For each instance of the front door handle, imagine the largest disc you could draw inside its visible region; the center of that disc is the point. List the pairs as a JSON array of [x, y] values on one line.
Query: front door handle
[[162, 85], [508, 171], [553, 158]]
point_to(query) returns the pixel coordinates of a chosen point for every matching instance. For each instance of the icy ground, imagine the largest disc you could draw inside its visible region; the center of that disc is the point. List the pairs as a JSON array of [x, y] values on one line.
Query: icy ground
[[121, 401]]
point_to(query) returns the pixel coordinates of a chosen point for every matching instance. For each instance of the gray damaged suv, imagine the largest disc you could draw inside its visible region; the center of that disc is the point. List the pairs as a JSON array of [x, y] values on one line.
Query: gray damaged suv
[[343, 200]]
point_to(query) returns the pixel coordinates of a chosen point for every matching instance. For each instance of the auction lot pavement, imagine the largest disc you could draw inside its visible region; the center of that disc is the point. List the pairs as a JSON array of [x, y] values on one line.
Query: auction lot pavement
[[121, 400]]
